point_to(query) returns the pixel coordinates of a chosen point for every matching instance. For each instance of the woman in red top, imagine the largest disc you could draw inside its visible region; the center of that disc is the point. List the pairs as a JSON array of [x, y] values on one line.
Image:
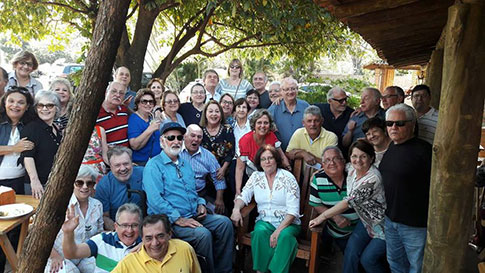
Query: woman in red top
[[262, 127]]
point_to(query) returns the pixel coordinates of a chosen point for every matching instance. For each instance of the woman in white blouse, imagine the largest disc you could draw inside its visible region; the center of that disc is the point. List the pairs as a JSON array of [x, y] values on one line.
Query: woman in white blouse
[[277, 197], [90, 214]]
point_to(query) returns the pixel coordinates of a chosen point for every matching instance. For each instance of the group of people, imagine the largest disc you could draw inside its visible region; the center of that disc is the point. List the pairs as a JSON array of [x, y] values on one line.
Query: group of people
[[192, 167]]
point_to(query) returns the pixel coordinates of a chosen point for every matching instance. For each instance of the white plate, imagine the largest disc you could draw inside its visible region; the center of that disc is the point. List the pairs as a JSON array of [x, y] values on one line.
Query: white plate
[[15, 210]]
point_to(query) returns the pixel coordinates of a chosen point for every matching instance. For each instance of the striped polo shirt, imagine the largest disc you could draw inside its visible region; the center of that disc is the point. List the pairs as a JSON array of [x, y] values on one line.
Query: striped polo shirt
[[115, 125], [108, 250], [324, 192], [427, 125]]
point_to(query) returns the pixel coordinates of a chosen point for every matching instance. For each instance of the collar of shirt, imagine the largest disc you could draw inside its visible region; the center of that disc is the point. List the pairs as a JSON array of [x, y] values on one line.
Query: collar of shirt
[[166, 160], [184, 150], [13, 76]]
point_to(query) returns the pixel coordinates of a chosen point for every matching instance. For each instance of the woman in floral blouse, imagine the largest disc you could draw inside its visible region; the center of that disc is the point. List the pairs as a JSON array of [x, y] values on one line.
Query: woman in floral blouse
[[218, 137], [90, 213], [277, 196], [365, 194]]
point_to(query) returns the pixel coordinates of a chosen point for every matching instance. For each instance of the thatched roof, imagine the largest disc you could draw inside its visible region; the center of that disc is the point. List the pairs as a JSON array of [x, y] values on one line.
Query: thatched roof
[[403, 32]]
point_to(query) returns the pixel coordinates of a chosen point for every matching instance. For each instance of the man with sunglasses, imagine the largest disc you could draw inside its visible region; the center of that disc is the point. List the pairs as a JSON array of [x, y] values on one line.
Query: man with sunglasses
[[113, 188], [108, 248], [169, 182], [336, 113], [406, 172]]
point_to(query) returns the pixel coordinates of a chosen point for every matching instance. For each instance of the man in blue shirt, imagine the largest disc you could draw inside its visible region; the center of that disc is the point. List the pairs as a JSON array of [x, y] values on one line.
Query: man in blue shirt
[[288, 114], [169, 182], [370, 100], [204, 164], [113, 188]]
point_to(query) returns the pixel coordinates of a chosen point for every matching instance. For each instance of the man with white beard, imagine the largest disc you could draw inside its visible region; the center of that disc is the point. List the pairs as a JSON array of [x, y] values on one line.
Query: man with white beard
[[169, 182]]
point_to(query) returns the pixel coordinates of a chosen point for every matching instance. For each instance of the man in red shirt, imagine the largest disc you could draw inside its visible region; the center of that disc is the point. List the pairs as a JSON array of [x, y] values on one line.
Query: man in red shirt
[[113, 115]]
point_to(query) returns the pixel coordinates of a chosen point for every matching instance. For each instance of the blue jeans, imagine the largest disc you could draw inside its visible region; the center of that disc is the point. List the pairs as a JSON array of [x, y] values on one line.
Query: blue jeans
[[405, 247], [367, 251], [214, 241]]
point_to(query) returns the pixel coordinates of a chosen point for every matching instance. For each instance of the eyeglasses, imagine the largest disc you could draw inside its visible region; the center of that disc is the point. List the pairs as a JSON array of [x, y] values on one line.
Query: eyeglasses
[[145, 102], [80, 183], [171, 101], [29, 64], [228, 102], [333, 159], [127, 226], [235, 67], [399, 123], [20, 89], [268, 158], [340, 100], [290, 89], [388, 96], [172, 137], [41, 106]]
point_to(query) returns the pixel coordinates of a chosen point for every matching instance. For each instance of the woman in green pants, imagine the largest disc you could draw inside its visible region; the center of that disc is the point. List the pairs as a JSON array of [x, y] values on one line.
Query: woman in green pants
[[277, 195]]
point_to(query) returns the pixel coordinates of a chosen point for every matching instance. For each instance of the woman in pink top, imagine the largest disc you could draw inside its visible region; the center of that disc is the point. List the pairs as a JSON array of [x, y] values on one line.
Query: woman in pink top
[[262, 127]]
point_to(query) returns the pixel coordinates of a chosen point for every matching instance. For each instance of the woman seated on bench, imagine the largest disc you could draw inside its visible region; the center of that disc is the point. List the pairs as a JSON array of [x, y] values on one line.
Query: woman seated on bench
[[277, 196]]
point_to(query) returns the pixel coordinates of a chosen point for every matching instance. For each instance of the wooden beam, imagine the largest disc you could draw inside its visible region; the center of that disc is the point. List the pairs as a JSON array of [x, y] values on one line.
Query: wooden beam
[[457, 137], [362, 7]]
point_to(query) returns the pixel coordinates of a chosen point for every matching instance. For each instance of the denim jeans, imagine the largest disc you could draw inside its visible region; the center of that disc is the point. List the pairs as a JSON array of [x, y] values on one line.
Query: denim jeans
[[405, 247], [367, 251], [214, 241]]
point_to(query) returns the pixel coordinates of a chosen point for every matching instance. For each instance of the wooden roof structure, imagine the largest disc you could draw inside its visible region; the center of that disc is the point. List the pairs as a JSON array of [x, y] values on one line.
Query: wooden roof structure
[[403, 32]]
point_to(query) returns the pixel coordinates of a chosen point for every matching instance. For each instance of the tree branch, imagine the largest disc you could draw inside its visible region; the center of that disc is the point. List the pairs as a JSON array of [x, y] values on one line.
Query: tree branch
[[62, 5], [81, 3], [132, 12]]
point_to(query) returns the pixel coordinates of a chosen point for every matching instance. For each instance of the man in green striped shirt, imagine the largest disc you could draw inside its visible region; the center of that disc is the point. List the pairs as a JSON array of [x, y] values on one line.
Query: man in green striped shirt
[[328, 187]]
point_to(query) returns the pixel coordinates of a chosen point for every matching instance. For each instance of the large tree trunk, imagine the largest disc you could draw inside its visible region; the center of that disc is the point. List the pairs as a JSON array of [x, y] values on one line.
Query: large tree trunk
[[135, 56], [455, 147], [52, 208]]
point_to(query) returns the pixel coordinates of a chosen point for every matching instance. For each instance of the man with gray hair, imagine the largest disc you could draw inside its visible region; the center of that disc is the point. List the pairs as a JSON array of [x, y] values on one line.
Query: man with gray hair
[[113, 188], [309, 142], [123, 75], [113, 115], [169, 182], [259, 83], [205, 166], [108, 247], [274, 91], [288, 114], [406, 172], [336, 113], [391, 96], [370, 100], [3, 80]]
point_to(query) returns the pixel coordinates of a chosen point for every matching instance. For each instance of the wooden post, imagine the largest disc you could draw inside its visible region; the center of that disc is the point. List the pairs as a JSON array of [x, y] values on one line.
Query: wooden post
[[434, 73], [457, 136], [51, 211]]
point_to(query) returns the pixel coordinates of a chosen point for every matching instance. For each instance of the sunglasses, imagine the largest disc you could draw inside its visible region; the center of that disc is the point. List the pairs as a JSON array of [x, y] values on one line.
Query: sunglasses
[[235, 66], [145, 102], [41, 106], [172, 137], [399, 123], [20, 89], [340, 100], [80, 183]]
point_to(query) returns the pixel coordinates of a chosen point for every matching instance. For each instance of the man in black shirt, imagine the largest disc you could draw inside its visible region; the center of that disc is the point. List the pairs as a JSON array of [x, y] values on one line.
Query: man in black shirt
[[406, 171], [336, 113]]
